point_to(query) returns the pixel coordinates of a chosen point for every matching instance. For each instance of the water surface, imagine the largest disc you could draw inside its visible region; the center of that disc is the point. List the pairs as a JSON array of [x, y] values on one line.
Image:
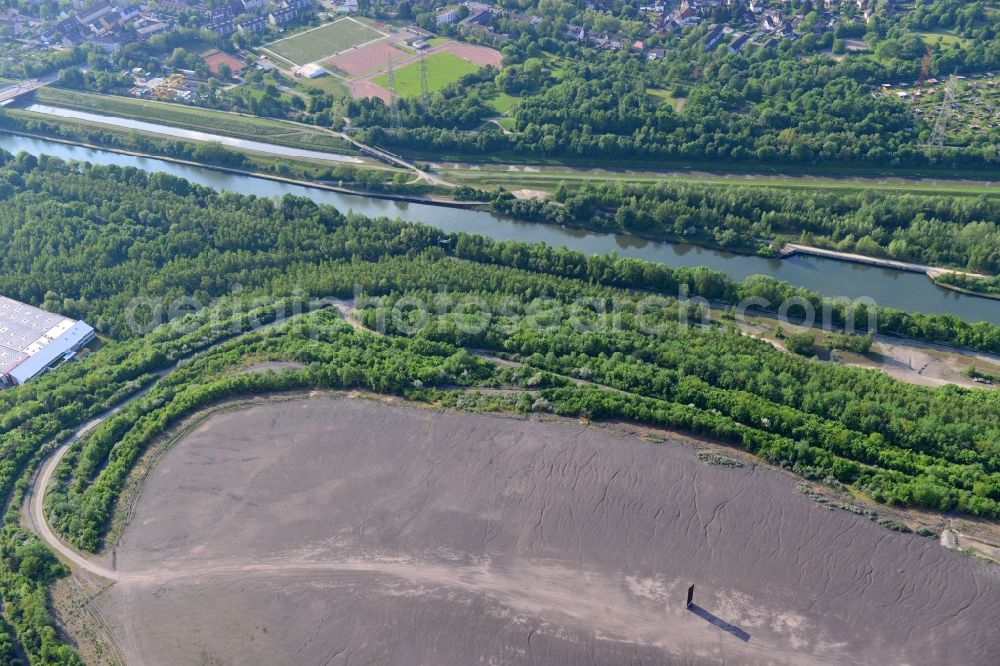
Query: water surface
[[907, 291]]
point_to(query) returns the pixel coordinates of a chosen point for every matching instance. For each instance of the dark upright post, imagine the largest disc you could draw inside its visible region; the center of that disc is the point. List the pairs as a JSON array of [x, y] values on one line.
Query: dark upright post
[[690, 596]]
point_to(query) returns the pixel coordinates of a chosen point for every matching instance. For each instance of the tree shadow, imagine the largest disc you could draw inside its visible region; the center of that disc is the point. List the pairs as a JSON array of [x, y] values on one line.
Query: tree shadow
[[719, 622]]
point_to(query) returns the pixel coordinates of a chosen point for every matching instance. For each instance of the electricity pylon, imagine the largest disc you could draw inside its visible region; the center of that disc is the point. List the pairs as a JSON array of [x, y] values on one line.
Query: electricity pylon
[[940, 131], [394, 121], [425, 93]]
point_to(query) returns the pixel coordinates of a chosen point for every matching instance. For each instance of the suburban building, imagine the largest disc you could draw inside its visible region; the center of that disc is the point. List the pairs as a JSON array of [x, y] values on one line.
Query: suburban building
[[446, 15], [291, 11], [311, 71], [33, 340], [738, 42], [94, 13], [714, 35], [225, 27], [151, 28], [253, 25], [109, 43], [281, 17]]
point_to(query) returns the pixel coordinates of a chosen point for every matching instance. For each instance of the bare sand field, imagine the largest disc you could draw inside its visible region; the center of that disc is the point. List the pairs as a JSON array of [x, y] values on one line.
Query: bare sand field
[[477, 55], [365, 88], [338, 530], [367, 58]]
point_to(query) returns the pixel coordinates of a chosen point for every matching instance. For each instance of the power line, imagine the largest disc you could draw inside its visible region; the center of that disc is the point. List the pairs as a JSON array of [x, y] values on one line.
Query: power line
[[940, 131], [425, 93], [394, 121], [925, 68]]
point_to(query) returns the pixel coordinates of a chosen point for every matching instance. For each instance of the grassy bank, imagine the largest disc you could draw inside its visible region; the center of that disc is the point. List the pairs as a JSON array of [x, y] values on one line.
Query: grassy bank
[[234, 125], [360, 179], [548, 180]]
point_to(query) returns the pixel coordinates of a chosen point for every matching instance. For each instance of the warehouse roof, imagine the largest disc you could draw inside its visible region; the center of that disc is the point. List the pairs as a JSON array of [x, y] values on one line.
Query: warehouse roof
[[31, 339]]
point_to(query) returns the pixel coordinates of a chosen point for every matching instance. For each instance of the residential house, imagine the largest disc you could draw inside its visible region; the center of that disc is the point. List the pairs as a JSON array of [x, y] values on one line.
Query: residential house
[[223, 28], [714, 35], [109, 43], [282, 17], [670, 27], [738, 42], [153, 28], [95, 13], [252, 25], [70, 30], [446, 16]]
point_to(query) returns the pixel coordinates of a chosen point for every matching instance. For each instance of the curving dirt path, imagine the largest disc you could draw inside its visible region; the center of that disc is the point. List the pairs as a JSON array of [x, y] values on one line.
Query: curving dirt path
[[388, 534], [36, 509]]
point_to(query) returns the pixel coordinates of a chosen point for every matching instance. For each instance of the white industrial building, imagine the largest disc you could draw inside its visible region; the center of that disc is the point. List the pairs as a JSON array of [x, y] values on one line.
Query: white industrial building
[[33, 340], [311, 71]]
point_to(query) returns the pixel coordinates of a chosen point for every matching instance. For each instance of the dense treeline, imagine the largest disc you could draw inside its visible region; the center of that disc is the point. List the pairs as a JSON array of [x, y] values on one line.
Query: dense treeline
[[770, 106], [335, 357], [948, 455], [210, 153], [990, 287], [88, 241], [46, 411], [937, 230], [117, 245]]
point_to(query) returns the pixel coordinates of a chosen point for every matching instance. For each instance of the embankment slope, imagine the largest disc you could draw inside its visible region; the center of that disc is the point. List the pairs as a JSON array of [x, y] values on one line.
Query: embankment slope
[[337, 530]]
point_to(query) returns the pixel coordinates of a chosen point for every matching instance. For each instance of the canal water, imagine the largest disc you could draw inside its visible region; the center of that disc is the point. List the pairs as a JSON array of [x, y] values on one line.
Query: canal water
[[906, 291]]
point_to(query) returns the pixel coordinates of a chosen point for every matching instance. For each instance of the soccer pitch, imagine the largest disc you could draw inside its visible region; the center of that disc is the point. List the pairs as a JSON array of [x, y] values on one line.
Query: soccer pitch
[[322, 42], [442, 68]]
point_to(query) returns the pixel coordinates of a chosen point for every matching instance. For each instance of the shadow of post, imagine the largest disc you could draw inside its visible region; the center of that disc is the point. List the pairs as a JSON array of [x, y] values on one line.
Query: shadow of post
[[719, 622]]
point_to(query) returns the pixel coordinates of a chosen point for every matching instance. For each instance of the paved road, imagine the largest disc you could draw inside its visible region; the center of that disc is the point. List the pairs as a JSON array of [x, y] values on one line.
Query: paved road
[[932, 271], [15, 91]]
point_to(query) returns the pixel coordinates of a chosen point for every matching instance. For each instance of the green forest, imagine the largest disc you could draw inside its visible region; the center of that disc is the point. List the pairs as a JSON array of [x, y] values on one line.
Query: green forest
[[224, 269], [795, 103], [937, 230], [804, 99]]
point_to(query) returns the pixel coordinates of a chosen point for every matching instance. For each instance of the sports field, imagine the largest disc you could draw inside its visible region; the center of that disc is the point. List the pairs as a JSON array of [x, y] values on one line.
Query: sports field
[[322, 42], [442, 68]]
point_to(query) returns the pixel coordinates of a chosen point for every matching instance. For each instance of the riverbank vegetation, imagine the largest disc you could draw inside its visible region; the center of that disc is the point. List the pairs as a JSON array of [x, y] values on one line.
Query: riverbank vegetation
[[957, 232], [127, 250], [203, 120], [102, 292], [972, 284], [947, 231], [361, 178]]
